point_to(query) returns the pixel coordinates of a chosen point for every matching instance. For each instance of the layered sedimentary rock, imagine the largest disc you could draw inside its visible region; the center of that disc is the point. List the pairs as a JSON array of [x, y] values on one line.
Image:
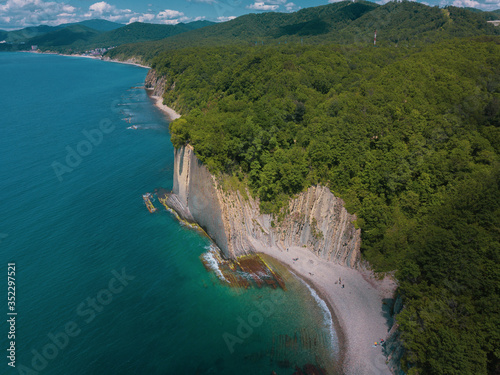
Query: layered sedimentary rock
[[314, 219], [155, 82]]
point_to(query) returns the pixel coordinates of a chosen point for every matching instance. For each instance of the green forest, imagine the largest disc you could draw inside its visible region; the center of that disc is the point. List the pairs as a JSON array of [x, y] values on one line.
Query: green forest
[[409, 138], [407, 133]]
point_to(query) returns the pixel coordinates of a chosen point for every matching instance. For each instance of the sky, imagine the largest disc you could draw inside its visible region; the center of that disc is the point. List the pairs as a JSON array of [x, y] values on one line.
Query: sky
[[16, 14]]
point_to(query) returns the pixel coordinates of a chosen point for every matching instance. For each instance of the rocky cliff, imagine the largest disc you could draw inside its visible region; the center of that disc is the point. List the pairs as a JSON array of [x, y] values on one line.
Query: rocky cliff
[[155, 82], [314, 219]]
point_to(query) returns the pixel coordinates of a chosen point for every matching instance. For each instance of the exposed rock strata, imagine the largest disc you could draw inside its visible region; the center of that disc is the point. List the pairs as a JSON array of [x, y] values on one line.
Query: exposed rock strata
[[315, 219], [155, 82]]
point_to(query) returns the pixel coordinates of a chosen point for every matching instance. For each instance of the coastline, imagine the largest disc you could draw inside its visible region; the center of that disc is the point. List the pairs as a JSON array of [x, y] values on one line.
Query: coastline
[[170, 113], [356, 309], [91, 57]]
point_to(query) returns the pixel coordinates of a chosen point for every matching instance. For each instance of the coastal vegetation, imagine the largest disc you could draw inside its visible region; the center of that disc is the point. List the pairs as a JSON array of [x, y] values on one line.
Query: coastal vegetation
[[407, 133], [408, 137]]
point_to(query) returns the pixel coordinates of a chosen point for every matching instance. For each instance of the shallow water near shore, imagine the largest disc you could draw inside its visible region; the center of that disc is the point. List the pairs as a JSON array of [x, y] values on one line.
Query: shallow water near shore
[[102, 285]]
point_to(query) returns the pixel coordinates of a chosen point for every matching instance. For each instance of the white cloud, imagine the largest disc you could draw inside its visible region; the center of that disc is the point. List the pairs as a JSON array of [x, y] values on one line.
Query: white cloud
[[486, 5], [171, 17], [466, 3], [101, 8], [291, 7], [22, 13], [169, 14], [266, 4], [259, 5], [35, 12], [146, 17], [224, 18], [109, 12]]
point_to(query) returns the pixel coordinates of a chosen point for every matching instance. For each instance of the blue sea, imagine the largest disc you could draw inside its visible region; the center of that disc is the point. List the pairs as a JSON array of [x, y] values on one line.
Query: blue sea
[[102, 286]]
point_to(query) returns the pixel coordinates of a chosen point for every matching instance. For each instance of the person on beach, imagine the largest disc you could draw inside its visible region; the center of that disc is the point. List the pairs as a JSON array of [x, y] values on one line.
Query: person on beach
[[342, 286]]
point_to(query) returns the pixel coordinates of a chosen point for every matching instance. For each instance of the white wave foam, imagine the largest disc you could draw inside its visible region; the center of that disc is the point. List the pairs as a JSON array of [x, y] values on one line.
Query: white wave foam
[[212, 262]]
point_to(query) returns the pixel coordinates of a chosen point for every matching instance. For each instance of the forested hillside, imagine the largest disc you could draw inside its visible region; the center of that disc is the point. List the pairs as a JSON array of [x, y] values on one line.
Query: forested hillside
[[63, 37], [408, 137], [346, 22]]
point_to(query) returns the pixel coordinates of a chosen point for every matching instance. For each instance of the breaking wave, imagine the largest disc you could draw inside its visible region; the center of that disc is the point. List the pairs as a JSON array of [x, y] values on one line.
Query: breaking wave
[[211, 261]]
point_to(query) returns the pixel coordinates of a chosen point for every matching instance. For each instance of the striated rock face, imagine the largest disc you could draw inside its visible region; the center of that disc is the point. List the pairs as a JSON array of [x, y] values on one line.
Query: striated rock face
[[315, 219], [155, 83]]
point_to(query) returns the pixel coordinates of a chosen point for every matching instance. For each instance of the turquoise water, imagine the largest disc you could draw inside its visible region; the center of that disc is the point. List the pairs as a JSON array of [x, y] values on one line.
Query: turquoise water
[[102, 285]]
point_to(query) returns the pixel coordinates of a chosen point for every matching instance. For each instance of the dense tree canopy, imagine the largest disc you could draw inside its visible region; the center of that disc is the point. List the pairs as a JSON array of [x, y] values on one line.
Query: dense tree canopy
[[408, 137]]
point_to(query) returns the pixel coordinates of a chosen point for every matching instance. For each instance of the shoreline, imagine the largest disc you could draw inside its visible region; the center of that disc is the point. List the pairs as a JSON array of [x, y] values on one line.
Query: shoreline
[[357, 309], [90, 57], [170, 113]]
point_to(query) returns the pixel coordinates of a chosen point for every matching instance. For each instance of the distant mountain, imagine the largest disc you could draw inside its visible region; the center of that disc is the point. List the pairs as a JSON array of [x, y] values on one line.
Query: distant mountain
[[66, 36], [139, 32], [87, 35], [18, 36], [22, 35], [99, 25], [91, 34]]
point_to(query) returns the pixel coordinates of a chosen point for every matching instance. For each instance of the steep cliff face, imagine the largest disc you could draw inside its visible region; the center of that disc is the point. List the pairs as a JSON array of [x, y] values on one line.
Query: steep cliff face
[[155, 82], [315, 219]]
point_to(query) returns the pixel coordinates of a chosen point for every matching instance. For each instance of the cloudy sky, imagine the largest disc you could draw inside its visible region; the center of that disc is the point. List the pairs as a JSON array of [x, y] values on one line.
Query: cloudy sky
[[15, 14]]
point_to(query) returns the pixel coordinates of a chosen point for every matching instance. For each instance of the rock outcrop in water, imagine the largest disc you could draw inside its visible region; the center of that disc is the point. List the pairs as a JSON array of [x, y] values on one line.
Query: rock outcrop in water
[[315, 219]]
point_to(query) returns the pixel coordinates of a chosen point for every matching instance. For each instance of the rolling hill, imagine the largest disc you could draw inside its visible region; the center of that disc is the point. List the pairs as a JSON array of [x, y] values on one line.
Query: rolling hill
[[19, 36], [23, 35], [66, 36], [343, 22], [138, 32], [99, 25]]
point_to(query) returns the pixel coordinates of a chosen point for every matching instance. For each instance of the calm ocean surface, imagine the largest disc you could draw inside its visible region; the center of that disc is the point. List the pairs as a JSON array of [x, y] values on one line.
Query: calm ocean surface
[[102, 285]]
